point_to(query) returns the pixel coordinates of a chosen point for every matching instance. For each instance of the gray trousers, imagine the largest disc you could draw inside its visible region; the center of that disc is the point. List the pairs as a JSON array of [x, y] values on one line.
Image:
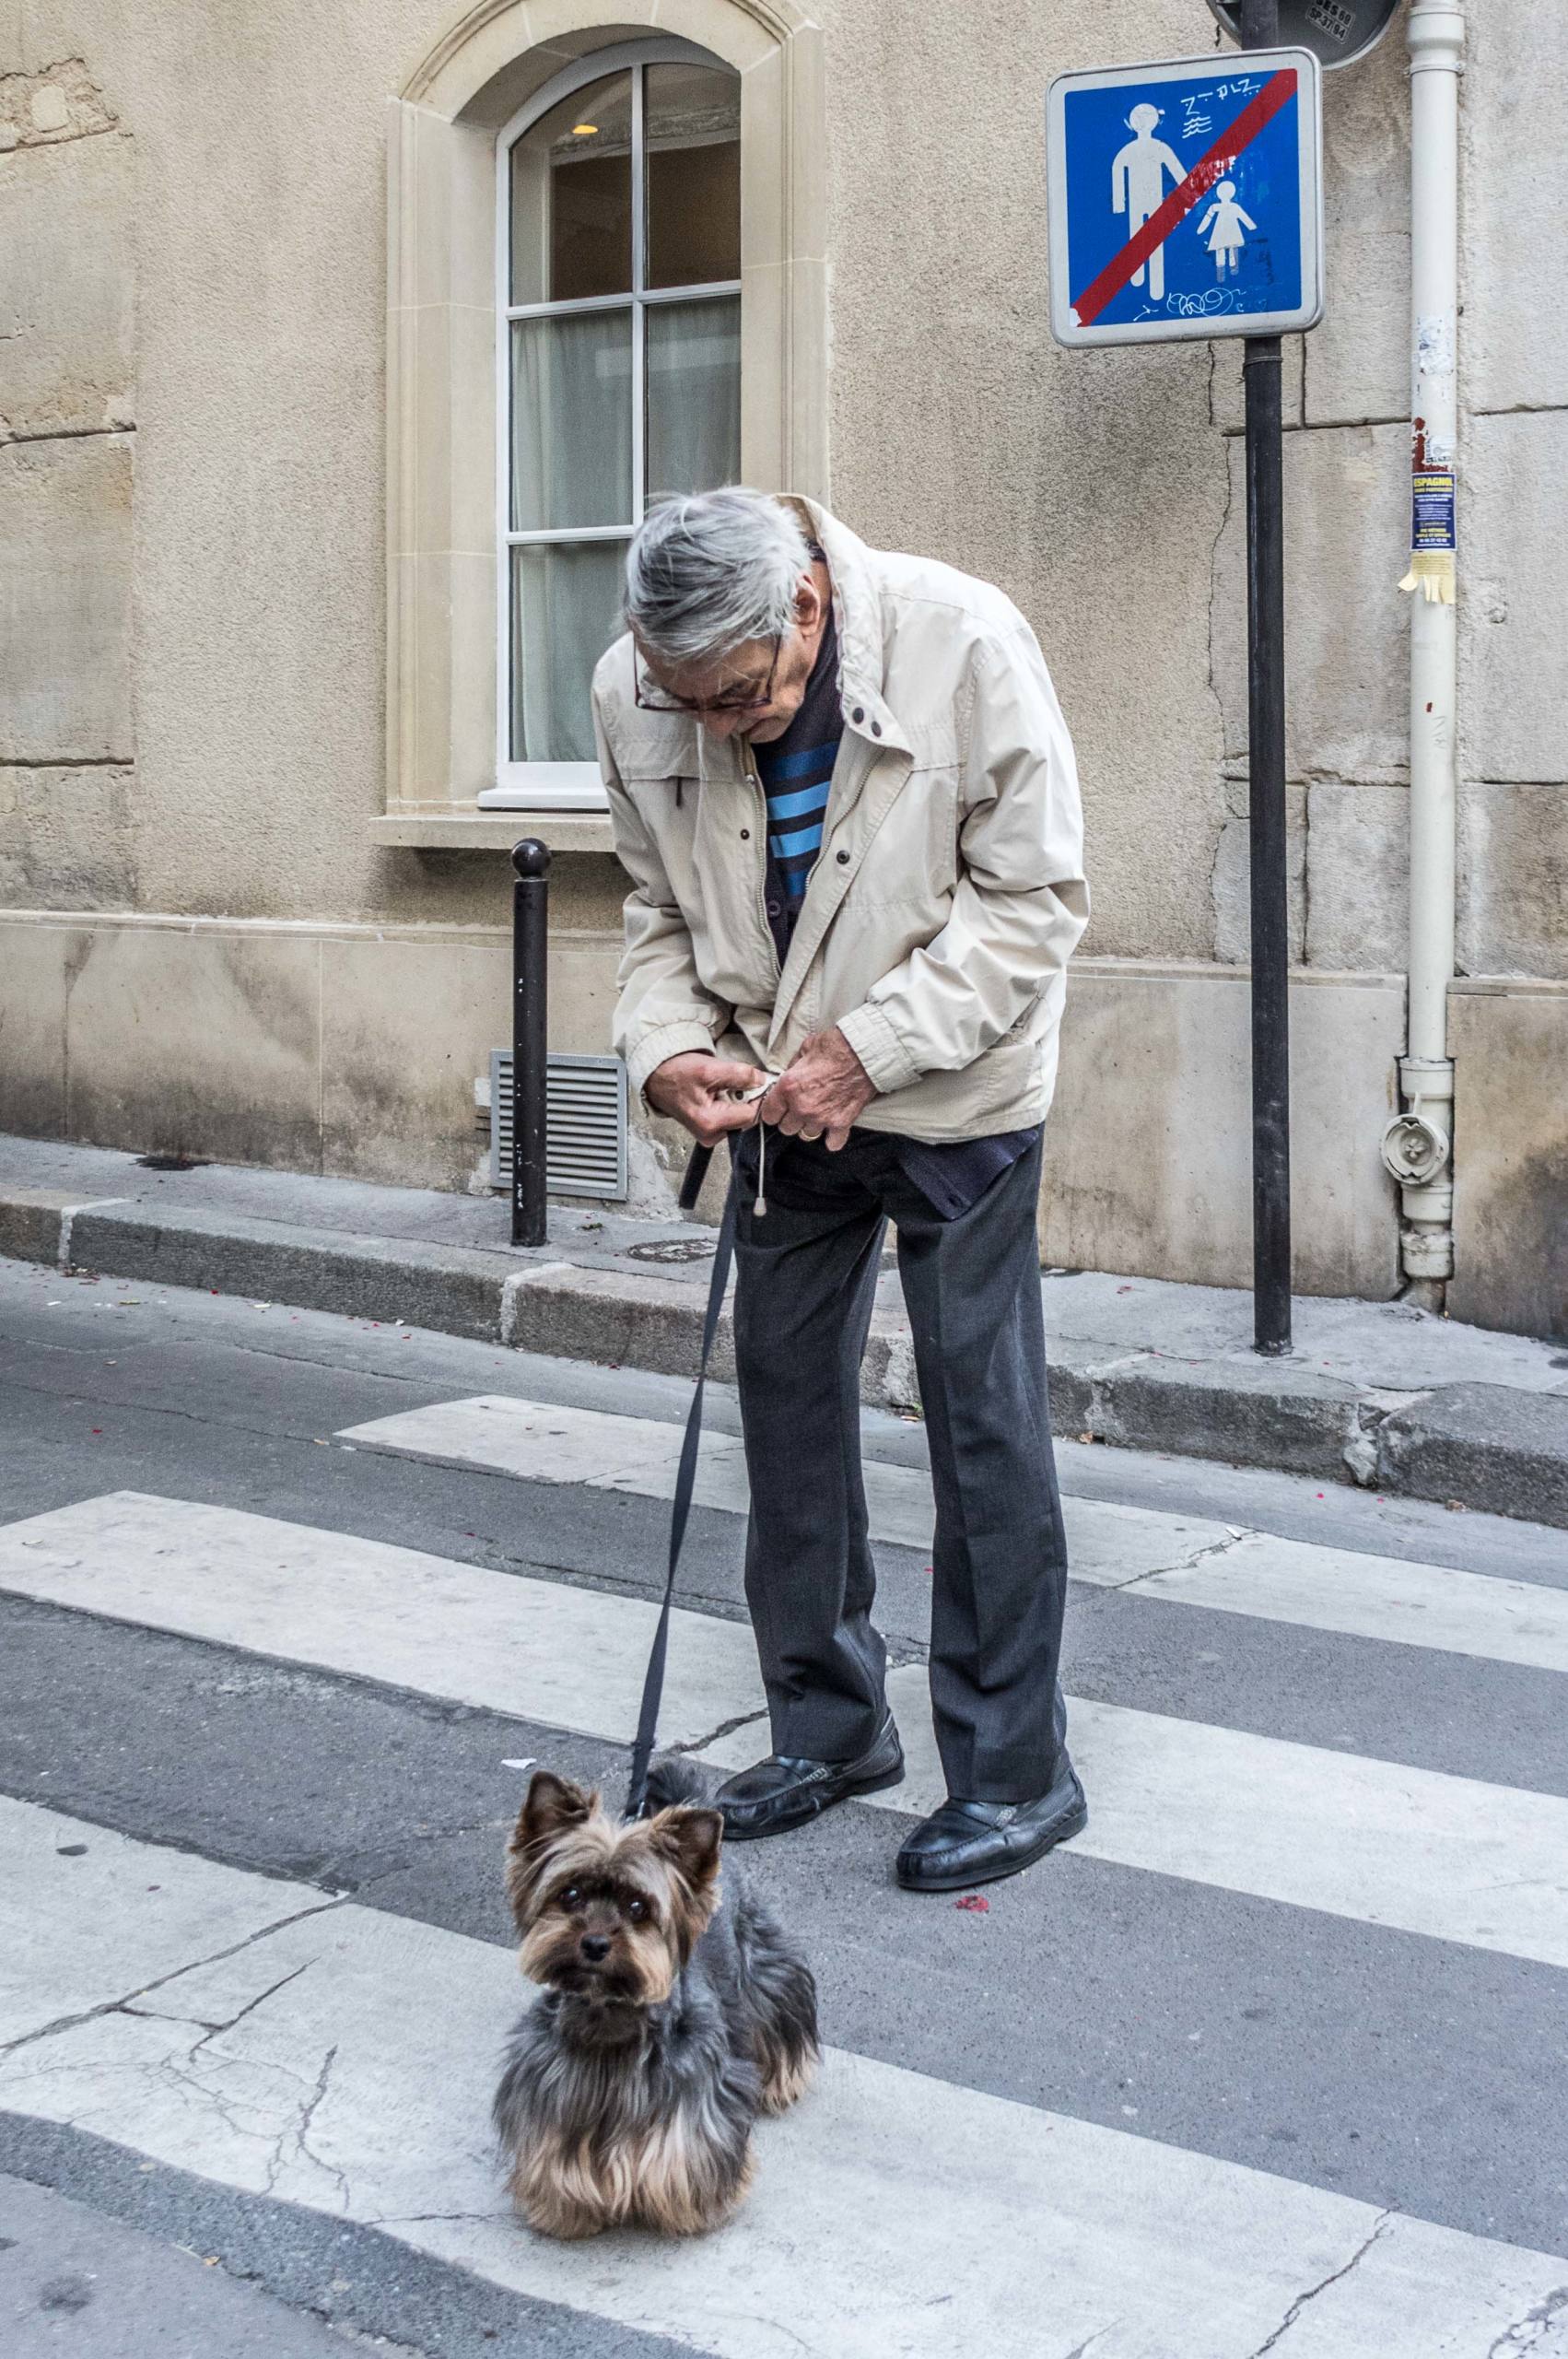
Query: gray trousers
[[805, 1284]]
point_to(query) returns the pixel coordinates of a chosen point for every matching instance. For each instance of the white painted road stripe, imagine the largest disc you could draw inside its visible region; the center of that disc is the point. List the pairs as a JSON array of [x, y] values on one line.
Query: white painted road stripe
[[1179, 1558], [538, 1649], [80, 1919], [542, 1443], [1414, 1849], [1411, 1848], [1376, 1597], [344, 2063]]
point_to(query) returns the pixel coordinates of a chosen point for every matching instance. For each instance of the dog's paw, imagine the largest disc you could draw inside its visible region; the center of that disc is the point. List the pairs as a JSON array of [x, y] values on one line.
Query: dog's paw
[[567, 2223], [786, 2077]]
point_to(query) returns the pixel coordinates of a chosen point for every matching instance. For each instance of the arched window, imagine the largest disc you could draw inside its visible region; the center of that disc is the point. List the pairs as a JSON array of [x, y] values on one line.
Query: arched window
[[619, 370], [608, 259]]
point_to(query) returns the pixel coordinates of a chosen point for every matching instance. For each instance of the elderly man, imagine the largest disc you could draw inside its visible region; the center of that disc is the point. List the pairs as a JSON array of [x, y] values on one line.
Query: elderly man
[[845, 794]]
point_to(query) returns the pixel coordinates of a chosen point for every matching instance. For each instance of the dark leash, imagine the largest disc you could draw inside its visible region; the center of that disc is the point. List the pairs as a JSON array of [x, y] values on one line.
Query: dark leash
[[685, 1474], [697, 1172]]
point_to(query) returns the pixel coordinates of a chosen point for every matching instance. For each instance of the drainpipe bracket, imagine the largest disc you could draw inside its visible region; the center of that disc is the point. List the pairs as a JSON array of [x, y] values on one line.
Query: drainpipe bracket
[[1435, 36]]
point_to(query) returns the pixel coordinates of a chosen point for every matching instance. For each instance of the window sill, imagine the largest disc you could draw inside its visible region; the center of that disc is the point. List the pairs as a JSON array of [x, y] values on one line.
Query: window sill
[[472, 830]]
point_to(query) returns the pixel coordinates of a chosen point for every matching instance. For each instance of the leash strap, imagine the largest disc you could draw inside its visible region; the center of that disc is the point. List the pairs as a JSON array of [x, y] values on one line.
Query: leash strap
[[697, 1172], [685, 1479]]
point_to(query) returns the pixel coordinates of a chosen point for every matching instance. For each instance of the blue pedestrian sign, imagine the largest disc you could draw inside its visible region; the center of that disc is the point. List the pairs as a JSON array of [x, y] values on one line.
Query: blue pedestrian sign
[[1184, 199]]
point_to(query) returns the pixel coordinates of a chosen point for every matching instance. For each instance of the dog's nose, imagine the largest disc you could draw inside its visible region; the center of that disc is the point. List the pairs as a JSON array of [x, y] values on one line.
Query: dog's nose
[[595, 1948]]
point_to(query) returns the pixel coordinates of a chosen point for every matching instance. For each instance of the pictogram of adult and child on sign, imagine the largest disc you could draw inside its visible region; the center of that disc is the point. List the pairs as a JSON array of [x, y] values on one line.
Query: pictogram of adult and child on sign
[[1138, 189]]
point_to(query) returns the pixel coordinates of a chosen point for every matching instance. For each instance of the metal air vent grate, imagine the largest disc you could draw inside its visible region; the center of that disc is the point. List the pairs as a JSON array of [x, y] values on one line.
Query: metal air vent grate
[[585, 1125]]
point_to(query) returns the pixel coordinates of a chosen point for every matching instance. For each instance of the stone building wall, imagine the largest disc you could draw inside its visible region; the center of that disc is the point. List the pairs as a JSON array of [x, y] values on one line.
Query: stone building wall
[[200, 930]]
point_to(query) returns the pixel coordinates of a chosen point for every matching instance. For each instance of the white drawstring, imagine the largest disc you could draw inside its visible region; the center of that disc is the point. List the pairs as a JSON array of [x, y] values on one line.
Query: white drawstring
[[748, 1096]]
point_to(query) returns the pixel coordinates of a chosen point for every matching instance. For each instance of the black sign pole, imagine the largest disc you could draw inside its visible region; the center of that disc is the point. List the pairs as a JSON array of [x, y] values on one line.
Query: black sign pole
[[531, 907], [1266, 739]]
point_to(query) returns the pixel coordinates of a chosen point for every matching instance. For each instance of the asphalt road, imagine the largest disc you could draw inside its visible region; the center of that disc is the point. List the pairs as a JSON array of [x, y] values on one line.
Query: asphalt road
[[1332, 2047]]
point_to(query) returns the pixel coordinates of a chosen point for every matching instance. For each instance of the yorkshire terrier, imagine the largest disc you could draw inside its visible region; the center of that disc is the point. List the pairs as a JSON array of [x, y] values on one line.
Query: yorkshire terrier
[[670, 2019]]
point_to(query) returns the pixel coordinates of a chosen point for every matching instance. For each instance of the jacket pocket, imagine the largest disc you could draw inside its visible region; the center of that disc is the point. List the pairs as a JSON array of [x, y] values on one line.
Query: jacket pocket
[[914, 858]]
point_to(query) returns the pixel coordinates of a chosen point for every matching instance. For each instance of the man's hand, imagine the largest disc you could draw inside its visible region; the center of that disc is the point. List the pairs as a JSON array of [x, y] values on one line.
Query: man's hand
[[823, 1092], [699, 1091]]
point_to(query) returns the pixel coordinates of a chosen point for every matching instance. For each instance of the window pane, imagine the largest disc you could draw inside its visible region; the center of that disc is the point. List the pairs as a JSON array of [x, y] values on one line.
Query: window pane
[[572, 198], [694, 394], [692, 132], [565, 611], [572, 420]]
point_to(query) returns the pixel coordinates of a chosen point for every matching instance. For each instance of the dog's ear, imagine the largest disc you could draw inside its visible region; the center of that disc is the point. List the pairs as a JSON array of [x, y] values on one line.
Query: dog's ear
[[691, 1839], [552, 1806]]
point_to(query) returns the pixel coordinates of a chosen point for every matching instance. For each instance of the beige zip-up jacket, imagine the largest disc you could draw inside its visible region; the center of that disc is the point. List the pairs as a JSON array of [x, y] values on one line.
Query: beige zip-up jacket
[[949, 892]]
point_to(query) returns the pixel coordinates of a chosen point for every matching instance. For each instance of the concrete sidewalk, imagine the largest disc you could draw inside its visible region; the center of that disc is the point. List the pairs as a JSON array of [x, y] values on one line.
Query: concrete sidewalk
[[1374, 1393]]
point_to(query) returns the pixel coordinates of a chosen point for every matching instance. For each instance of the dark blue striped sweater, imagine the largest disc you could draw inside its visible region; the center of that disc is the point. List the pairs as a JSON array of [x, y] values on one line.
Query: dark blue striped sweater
[[796, 772]]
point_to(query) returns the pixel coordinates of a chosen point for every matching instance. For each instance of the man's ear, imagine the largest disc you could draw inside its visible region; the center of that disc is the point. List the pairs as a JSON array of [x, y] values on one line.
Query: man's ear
[[810, 604], [692, 1839], [551, 1806]]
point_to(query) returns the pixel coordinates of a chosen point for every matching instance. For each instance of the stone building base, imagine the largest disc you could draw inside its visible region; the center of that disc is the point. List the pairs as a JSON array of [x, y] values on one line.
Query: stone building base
[[354, 1049]]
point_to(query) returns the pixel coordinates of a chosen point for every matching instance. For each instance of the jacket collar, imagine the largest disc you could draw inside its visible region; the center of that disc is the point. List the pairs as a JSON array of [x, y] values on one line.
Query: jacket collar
[[857, 613]]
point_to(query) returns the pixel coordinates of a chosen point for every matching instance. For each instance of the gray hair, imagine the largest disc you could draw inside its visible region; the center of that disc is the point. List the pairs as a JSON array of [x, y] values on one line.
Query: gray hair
[[708, 571]]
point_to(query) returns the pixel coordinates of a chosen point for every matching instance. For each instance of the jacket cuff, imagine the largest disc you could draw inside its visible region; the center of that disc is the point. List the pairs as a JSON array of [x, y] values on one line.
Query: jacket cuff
[[888, 1064], [666, 1040]]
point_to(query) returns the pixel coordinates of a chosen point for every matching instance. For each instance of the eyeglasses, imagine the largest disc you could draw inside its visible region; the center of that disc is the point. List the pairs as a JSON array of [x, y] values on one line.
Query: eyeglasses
[[651, 697]]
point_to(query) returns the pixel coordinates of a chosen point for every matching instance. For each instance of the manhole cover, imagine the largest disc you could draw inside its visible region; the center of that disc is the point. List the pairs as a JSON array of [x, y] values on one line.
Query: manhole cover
[[672, 1249]]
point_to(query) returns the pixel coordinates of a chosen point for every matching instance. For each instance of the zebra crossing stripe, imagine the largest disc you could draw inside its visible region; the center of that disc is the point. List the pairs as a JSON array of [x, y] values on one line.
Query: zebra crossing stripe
[[1153, 1553], [79, 1922], [1415, 1849], [342, 2061], [542, 1443], [537, 1650], [1486, 1866]]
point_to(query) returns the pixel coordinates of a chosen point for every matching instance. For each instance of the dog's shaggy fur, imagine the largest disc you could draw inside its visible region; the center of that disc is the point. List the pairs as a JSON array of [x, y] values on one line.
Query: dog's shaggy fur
[[668, 2023]]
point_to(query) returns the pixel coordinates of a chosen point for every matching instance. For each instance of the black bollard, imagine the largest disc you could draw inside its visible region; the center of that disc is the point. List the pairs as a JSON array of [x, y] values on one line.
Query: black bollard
[[530, 913]]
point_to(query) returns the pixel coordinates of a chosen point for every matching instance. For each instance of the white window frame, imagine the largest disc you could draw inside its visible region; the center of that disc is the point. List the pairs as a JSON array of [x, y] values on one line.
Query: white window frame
[[571, 786]]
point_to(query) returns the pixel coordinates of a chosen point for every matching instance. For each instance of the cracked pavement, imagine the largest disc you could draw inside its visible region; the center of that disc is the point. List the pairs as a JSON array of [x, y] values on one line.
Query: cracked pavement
[[340, 2063], [1379, 2228], [275, 2044]]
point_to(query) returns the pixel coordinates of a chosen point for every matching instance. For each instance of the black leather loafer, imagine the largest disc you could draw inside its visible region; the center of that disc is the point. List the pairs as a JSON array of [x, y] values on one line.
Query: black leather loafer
[[784, 1792], [965, 1843]]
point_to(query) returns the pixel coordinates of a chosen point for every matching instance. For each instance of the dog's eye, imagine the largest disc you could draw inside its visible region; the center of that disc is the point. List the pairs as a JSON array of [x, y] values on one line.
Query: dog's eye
[[637, 1910], [571, 1897]]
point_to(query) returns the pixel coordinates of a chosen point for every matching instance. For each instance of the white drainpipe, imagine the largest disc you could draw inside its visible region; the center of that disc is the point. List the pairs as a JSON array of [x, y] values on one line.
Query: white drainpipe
[[1416, 1145]]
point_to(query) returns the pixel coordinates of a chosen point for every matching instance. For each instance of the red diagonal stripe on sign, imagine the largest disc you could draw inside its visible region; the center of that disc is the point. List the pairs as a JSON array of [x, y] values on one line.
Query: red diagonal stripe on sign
[[1210, 167]]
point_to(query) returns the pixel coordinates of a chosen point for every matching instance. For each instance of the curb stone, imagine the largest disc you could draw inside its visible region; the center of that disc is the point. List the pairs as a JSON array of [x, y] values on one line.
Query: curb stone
[[1483, 1445], [449, 1287], [1269, 1413], [1495, 1447]]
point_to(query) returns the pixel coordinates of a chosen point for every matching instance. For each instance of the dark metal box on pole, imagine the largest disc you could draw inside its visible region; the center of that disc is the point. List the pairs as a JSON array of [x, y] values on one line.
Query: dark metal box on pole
[[530, 905]]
